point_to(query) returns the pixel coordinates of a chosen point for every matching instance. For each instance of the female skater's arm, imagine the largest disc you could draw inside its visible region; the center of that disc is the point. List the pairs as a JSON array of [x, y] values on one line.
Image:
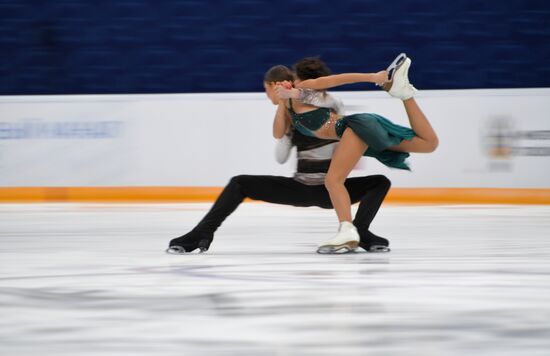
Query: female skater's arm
[[313, 97], [332, 81], [281, 121]]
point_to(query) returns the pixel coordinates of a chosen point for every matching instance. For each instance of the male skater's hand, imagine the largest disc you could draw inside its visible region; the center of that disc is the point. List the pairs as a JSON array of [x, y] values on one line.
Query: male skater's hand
[[284, 90]]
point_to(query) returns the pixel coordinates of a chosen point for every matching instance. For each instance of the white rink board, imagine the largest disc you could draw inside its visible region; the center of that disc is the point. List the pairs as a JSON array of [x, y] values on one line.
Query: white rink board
[[204, 139]]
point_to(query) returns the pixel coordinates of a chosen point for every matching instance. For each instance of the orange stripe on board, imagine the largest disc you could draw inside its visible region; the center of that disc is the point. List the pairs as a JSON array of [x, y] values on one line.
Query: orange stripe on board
[[469, 196], [109, 194], [209, 194]]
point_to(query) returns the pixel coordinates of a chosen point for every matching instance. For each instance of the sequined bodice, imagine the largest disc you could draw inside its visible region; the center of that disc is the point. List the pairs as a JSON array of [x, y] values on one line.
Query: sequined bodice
[[309, 122]]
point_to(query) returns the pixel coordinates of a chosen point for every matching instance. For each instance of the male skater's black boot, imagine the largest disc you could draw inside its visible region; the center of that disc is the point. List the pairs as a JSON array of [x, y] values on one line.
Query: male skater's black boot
[[190, 242], [373, 243], [202, 235]]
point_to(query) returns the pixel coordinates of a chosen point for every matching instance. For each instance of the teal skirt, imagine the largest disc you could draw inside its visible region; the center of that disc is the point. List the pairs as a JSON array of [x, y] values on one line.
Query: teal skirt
[[378, 133]]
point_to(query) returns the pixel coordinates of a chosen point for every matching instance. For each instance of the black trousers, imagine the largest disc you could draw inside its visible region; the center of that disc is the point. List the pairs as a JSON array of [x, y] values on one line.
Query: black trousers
[[370, 191]]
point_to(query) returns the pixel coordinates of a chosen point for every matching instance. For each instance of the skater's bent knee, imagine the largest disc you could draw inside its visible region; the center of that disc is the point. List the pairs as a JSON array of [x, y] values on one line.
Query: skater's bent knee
[[433, 144], [383, 181], [333, 180], [240, 179], [428, 145]]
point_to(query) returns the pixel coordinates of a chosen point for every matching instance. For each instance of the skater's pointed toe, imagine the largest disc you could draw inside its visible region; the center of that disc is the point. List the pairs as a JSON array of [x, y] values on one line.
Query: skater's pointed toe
[[190, 242]]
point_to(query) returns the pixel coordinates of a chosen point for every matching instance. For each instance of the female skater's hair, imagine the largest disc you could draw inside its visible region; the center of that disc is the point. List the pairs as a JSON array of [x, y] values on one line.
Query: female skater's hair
[[311, 68], [278, 73]]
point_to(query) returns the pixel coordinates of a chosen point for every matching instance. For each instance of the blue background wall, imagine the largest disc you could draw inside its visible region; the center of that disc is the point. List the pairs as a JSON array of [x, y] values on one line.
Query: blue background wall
[[145, 46]]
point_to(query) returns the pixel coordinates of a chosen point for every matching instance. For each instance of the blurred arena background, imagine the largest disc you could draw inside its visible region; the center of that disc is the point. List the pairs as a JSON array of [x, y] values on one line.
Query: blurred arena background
[[106, 47], [170, 98]]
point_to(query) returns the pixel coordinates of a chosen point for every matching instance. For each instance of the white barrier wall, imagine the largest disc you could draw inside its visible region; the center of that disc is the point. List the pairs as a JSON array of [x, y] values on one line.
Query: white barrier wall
[[488, 138]]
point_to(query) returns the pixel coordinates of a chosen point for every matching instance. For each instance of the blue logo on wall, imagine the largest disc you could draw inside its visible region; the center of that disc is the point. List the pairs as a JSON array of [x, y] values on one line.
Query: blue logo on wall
[[32, 129]]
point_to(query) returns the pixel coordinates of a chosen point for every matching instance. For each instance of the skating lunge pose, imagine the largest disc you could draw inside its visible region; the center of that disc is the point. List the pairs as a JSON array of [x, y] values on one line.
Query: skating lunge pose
[[359, 134], [304, 189]]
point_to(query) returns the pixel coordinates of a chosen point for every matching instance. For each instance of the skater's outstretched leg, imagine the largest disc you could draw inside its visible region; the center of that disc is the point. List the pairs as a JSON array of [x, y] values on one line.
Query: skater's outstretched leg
[[202, 235]]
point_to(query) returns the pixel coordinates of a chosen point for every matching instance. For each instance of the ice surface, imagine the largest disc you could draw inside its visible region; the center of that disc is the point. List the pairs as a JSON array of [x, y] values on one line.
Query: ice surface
[[91, 279]]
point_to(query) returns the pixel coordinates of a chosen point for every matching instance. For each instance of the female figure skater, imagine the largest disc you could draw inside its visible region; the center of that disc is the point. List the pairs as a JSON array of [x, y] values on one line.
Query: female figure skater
[[359, 134]]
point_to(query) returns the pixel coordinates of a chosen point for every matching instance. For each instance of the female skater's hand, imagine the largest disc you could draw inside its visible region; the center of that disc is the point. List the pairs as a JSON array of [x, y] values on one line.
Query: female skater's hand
[[380, 77]]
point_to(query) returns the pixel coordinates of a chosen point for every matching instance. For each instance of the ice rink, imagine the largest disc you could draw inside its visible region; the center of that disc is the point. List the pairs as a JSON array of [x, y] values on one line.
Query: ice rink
[[90, 279]]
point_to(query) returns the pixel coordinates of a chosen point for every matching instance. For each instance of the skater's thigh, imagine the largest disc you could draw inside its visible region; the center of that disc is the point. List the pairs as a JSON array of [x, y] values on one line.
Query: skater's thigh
[[359, 186], [283, 190], [345, 157], [416, 145]]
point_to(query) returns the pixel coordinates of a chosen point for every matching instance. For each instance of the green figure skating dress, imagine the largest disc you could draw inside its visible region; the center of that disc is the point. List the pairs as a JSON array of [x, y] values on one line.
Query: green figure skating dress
[[376, 131]]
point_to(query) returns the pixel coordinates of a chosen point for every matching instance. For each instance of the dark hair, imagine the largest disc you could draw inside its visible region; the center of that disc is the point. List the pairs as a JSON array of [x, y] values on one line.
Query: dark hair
[[311, 68], [278, 73]]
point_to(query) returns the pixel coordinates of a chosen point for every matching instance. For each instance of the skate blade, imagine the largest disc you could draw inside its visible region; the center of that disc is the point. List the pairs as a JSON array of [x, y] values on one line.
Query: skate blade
[[395, 64], [178, 250], [338, 249], [391, 71], [379, 249], [387, 86], [175, 250]]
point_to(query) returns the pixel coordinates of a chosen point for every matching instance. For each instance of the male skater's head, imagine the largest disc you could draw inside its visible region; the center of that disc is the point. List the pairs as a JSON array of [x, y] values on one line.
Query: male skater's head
[[310, 68]]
